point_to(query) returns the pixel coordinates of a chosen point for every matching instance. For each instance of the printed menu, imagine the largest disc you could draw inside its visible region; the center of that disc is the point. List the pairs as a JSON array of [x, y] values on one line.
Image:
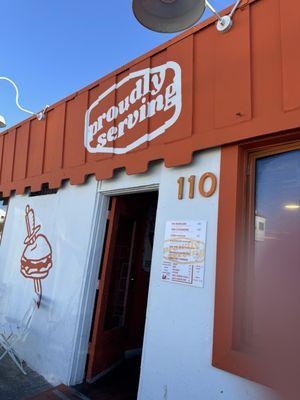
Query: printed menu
[[184, 253]]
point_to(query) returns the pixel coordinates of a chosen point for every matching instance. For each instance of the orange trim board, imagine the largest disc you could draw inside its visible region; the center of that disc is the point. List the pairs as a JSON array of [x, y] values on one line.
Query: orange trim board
[[231, 352], [200, 90]]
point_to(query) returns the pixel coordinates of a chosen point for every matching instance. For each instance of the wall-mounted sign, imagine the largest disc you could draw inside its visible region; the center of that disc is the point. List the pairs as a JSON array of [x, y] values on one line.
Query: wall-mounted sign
[[207, 185], [36, 260], [136, 110], [184, 252]]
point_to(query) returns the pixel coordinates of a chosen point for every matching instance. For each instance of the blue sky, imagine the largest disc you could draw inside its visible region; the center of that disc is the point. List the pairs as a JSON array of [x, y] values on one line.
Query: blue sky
[[53, 48]]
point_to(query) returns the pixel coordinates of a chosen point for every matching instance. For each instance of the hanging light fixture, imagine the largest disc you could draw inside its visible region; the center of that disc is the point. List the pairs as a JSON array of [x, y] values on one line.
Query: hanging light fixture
[[40, 115], [169, 16]]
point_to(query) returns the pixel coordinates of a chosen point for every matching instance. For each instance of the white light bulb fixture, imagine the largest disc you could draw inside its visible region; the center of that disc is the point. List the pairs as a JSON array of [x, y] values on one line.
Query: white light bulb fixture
[[40, 115], [169, 16]]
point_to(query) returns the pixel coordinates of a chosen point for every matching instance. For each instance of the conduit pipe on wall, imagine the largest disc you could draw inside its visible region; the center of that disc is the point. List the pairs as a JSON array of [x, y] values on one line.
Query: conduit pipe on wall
[[40, 115]]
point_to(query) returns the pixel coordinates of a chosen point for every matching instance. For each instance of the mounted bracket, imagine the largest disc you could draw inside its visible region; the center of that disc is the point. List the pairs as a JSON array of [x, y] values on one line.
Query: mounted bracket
[[224, 23]]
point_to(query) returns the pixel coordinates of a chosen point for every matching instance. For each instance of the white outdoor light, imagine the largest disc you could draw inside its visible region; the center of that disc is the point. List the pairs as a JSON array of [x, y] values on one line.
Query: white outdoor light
[[40, 115], [169, 16], [2, 122]]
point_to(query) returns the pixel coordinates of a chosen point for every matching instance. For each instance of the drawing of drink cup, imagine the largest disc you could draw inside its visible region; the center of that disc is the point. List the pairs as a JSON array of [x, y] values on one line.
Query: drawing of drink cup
[[36, 260]]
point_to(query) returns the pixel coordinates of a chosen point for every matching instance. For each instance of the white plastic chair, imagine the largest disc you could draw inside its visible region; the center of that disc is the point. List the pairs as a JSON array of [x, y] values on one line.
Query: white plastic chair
[[12, 333]]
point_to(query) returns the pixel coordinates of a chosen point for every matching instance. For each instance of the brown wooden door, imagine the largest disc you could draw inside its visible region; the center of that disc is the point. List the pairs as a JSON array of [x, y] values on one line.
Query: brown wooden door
[[108, 338], [140, 271]]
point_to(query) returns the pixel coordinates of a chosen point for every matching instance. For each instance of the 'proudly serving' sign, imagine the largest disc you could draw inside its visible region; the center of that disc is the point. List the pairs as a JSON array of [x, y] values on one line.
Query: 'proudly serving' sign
[[141, 107]]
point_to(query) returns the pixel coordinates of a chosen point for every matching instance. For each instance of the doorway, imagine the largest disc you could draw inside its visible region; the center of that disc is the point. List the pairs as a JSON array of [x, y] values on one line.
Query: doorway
[[120, 306]]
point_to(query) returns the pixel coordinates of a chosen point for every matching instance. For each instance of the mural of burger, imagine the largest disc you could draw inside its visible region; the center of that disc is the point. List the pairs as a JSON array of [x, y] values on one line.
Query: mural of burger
[[36, 260]]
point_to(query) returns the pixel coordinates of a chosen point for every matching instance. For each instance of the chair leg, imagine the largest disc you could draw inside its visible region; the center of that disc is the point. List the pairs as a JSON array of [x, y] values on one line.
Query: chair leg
[[3, 354], [5, 345], [17, 360], [8, 350]]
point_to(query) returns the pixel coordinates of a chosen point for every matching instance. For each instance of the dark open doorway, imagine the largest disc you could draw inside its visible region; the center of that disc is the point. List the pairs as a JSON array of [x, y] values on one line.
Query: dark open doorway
[[120, 309]]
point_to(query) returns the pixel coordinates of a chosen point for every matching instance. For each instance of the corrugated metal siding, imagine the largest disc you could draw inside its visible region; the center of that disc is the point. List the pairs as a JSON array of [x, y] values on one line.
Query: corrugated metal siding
[[235, 86], [290, 38]]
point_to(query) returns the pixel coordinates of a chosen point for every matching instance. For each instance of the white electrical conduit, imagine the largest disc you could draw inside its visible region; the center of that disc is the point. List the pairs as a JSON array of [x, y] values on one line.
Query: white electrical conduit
[[3, 78], [40, 115]]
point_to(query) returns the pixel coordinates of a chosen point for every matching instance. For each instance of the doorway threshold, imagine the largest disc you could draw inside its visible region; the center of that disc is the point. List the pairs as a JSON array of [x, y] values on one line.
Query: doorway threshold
[[119, 384], [60, 392]]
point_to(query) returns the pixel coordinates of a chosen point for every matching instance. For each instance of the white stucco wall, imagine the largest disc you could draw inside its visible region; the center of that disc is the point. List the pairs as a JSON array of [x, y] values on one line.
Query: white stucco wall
[[66, 219], [177, 350]]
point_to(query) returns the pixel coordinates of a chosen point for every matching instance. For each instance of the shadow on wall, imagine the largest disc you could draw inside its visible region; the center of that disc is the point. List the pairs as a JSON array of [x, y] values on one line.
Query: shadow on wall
[[2, 217]]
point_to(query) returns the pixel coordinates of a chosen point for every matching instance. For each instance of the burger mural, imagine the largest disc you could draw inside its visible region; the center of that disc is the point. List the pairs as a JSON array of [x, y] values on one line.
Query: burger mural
[[36, 260]]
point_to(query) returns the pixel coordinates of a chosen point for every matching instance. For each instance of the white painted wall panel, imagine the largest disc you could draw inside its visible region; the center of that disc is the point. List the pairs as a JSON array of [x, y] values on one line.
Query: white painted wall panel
[[177, 350], [66, 219]]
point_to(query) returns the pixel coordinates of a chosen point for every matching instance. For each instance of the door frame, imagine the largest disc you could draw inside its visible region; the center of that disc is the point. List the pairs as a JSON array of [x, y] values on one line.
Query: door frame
[[89, 285]]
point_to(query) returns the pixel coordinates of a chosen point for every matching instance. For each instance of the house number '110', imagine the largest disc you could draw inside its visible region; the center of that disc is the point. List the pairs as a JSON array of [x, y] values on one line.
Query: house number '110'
[[206, 190]]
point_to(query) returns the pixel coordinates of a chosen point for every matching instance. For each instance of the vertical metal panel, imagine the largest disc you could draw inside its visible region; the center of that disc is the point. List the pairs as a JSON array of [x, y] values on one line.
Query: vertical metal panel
[[21, 152], [94, 93], [182, 52], [156, 60], [74, 151], [36, 148], [8, 157], [204, 64], [54, 138], [266, 60], [290, 39], [122, 92], [233, 73]]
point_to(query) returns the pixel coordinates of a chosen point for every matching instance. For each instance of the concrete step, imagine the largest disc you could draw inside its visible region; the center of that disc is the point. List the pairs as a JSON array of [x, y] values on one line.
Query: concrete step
[[60, 392]]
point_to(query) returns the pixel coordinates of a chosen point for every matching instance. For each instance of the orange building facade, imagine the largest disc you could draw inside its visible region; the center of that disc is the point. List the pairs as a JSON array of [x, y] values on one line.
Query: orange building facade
[[207, 125]]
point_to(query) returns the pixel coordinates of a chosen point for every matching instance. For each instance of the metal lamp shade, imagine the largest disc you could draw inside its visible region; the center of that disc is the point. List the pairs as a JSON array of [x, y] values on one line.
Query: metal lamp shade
[[2, 122], [168, 16]]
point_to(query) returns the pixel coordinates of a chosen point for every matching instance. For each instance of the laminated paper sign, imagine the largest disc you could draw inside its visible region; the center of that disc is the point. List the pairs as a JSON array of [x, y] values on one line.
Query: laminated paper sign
[[184, 252]]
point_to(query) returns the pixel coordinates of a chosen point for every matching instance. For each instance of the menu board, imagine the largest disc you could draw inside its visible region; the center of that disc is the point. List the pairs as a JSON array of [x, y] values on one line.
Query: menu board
[[184, 253]]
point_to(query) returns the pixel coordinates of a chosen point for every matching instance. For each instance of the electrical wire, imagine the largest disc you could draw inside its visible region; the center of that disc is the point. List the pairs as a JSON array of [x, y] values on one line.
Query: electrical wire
[[4, 78]]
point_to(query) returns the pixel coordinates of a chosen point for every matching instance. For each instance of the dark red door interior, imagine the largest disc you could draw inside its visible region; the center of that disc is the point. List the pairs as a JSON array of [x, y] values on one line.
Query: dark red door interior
[[121, 303]]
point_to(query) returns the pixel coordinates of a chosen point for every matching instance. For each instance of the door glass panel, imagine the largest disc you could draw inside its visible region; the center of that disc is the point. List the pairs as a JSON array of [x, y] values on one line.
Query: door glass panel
[[275, 294], [119, 281]]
